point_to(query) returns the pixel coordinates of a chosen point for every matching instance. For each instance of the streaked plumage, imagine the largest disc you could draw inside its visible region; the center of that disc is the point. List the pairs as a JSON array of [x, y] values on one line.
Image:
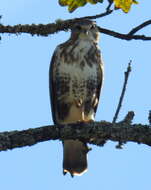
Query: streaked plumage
[[76, 75]]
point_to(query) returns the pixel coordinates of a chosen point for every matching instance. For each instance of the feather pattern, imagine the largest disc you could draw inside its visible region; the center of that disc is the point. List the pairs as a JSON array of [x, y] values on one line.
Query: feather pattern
[[76, 75]]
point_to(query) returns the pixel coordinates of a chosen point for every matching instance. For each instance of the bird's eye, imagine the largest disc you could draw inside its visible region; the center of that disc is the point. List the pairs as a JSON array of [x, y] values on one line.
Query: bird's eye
[[79, 27]]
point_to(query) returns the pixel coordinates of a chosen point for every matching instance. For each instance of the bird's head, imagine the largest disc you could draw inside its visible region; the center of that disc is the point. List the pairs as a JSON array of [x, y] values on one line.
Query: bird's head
[[85, 30]]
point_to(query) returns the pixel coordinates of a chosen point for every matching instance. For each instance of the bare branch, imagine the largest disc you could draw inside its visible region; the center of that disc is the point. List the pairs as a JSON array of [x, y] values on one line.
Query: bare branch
[[107, 12], [122, 93], [124, 36], [128, 118], [39, 30], [45, 30], [149, 117], [94, 133], [139, 27], [109, 5]]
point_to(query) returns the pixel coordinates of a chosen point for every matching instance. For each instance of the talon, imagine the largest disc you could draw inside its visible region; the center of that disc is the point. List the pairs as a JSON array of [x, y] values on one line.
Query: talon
[[64, 172], [78, 102], [89, 149]]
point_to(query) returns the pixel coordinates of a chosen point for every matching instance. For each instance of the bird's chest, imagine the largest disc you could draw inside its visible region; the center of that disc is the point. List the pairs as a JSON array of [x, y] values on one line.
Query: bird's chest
[[76, 71]]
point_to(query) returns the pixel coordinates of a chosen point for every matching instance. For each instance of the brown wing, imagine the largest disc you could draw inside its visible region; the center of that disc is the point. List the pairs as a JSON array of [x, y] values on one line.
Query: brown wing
[[52, 87], [59, 88], [99, 79], [94, 82]]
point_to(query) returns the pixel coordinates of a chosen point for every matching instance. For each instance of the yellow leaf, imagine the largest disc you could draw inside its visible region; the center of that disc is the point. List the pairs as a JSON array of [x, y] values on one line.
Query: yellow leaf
[[82, 3], [125, 5], [70, 2], [63, 2], [92, 1], [74, 4]]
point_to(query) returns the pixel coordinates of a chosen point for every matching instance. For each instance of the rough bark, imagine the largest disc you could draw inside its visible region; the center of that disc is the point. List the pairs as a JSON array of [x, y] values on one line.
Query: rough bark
[[47, 29], [94, 133]]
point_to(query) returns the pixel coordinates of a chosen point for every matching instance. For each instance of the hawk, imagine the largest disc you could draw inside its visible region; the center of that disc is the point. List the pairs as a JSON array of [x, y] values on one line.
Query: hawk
[[75, 78]]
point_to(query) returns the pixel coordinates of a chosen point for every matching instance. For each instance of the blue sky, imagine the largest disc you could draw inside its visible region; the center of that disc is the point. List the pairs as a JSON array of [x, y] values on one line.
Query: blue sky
[[24, 99]]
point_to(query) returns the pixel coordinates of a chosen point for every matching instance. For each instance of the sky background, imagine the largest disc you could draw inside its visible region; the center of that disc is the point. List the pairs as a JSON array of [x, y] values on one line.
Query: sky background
[[24, 99]]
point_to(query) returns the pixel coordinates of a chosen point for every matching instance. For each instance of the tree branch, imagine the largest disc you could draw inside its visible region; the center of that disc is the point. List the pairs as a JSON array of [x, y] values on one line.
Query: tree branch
[[128, 118], [109, 5], [124, 36], [107, 12], [149, 117], [94, 133], [45, 30], [139, 27], [126, 74]]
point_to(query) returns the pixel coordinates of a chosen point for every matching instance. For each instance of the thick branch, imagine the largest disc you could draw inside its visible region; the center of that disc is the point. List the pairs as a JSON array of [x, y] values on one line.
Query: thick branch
[[95, 133], [45, 30]]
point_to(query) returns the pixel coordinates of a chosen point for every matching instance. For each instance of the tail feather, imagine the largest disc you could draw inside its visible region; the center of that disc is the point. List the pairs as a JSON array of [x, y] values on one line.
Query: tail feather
[[74, 157]]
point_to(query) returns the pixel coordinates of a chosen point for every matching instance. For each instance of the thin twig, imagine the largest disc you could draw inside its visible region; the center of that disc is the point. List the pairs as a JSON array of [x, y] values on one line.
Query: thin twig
[[0, 23], [123, 92], [107, 12], [123, 36], [139, 27], [128, 118], [72, 21], [149, 117], [109, 5]]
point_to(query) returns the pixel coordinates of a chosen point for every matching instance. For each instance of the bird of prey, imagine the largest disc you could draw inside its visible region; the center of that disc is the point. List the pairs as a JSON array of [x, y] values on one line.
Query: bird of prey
[[75, 78]]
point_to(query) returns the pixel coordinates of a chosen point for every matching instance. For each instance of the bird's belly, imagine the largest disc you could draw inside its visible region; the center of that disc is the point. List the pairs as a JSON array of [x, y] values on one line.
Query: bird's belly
[[81, 80]]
